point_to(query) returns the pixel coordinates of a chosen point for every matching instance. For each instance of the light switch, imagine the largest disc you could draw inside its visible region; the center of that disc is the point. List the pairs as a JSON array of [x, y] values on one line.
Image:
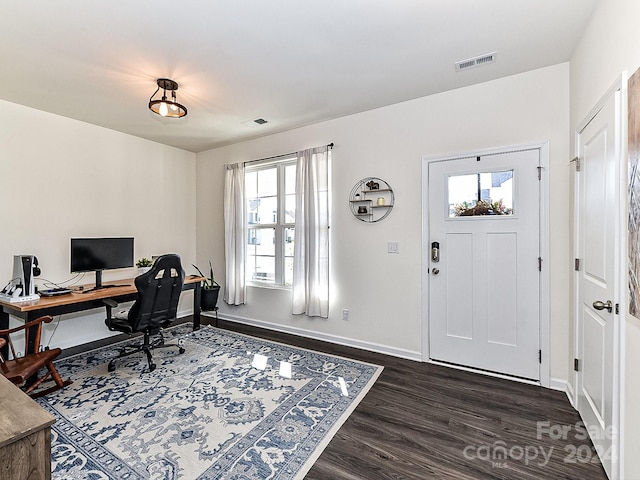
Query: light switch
[[393, 247]]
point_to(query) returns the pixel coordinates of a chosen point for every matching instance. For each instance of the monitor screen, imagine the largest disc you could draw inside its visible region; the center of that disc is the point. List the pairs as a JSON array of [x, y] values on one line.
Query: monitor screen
[[94, 254]]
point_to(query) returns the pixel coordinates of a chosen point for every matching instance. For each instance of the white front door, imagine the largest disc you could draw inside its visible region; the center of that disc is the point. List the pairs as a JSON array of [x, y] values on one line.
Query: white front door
[[599, 257], [484, 281]]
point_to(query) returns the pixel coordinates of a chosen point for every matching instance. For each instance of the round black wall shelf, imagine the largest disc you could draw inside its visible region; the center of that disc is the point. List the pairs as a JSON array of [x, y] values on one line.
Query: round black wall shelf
[[371, 199]]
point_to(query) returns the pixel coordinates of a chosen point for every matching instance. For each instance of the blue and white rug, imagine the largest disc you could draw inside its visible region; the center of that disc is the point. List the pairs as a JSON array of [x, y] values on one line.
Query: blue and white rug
[[206, 414]]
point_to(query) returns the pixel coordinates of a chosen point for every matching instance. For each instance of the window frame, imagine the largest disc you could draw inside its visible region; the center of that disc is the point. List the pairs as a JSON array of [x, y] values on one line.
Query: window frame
[[279, 226]]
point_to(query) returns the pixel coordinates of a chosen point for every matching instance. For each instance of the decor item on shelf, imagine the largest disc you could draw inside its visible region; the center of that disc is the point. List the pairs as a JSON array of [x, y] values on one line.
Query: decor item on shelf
[[210, 290], [371, 200], [167, 108], [144, 264]]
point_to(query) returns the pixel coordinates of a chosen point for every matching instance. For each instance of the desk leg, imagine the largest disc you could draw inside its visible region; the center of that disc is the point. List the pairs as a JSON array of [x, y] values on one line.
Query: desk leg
[[196, 306], [4, 324]]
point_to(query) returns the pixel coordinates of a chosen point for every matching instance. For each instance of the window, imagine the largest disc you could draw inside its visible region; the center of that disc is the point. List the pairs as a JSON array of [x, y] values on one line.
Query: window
[[270, 189], [485, 193]]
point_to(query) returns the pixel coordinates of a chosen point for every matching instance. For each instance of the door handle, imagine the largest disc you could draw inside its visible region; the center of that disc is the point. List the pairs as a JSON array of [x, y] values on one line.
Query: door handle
[[598, 305]]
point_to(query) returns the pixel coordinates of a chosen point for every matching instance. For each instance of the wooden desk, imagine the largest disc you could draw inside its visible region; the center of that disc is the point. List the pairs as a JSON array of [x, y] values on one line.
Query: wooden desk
[[25, 435], [78, 302]]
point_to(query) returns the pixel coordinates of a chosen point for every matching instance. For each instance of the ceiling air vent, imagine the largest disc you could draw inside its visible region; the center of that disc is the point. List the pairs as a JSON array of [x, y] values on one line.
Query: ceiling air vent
[[476, 61], [255, 123]]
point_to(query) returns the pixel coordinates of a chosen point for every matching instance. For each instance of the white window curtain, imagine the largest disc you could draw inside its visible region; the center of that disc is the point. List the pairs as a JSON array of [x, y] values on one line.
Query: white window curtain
[[235, 236], [311, 249]]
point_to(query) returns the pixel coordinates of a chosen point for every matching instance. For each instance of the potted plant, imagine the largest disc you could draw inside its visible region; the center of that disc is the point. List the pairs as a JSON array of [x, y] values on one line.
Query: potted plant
[[144, 264], [210, 290]]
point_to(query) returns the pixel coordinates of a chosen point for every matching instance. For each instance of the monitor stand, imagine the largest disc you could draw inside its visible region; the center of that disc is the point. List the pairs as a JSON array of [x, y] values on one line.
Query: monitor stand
[[99, 285]]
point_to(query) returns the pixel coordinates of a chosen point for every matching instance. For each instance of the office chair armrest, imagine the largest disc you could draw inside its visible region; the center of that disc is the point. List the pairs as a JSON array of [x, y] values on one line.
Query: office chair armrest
[[110, 304]]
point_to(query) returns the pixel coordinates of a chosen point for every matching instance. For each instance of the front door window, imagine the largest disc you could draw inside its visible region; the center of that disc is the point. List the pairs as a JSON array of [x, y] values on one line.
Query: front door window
[[483, 193]]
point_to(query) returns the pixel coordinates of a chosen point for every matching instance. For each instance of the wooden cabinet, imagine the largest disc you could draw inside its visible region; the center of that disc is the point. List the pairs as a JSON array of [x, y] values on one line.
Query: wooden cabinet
[[25, 435]]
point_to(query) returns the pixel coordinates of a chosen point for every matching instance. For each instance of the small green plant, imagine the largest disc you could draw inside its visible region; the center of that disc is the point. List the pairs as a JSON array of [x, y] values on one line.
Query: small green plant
[[210, 281], [144, 262]]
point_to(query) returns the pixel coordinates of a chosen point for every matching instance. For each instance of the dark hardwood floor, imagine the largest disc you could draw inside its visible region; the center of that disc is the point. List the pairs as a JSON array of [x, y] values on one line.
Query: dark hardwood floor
[[422, 421]]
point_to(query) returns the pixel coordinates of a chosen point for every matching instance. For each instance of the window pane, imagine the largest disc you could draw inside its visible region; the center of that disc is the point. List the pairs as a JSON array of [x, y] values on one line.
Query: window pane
[[290, 179], [486, 193], [267, 182], [265, 268], [289, 237], [261, 255], [288, 270], [251, 184], [289, 242], [261, 241], [290, 209], [267, 210]]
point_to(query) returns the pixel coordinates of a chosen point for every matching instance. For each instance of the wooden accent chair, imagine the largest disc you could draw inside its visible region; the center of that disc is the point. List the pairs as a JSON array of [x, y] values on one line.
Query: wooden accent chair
[[25, 369]]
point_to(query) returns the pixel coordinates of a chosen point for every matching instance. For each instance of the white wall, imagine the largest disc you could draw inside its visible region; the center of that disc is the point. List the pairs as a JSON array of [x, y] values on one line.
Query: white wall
[[60, 178], [382, 291], [609, 46]]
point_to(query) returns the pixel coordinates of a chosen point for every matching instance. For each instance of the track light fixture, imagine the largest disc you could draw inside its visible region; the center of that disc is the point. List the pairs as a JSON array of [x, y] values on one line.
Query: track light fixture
[[167, 108]]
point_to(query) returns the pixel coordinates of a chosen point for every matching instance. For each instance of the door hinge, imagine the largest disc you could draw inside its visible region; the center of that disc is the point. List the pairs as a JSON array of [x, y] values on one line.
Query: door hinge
[[576, 264], [539, 172], [539, 264], [576, 365], [577, 162], [539, 356]]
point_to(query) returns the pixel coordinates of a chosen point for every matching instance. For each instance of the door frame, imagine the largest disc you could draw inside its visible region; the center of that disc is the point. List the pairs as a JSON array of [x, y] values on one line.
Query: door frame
[[543, 148], [620, 262]]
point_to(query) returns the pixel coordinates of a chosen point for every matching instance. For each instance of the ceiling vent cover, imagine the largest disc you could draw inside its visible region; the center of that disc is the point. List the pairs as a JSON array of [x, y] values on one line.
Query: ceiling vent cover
[[476, 61], [255, 123]]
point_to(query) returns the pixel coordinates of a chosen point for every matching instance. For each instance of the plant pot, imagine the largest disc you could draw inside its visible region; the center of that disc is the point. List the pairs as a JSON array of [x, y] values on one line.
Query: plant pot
[[209, 298]]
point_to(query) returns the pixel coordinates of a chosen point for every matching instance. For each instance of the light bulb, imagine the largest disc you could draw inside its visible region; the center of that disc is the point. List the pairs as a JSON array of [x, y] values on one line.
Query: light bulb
[[173, 107], [163, 110]]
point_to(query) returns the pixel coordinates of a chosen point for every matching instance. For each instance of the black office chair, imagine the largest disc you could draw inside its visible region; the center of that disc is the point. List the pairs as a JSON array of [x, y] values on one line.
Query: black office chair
[[156, 307]]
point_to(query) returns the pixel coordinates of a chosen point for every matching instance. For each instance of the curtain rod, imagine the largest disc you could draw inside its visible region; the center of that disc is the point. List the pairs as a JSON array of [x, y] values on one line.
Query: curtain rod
[[329, 145]]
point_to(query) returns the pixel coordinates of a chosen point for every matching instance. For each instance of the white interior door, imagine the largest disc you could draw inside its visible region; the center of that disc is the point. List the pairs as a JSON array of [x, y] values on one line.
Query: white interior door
[[598, 207], [484, 290]]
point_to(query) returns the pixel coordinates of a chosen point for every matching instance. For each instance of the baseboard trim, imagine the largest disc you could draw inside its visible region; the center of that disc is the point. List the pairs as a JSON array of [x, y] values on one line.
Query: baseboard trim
[[339, 340], [571, 394], [558, 384]]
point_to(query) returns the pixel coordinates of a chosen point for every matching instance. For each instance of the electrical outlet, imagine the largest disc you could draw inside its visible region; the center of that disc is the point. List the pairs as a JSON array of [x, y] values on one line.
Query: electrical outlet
[[393, 247], [345, 314]]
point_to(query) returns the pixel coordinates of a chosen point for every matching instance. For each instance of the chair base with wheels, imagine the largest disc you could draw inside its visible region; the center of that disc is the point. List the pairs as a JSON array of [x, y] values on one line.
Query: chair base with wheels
[[148, 344], [25, 369]]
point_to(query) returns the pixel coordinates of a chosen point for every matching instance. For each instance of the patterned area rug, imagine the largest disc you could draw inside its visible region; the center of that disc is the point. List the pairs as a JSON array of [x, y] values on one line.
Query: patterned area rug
[[206, 414]]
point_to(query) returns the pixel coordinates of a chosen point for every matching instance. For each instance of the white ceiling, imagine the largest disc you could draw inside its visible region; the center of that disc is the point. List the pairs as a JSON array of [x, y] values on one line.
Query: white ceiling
[[291, 62]]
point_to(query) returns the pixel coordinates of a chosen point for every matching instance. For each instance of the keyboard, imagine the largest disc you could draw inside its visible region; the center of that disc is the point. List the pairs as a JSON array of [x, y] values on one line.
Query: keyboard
[[52, 292]]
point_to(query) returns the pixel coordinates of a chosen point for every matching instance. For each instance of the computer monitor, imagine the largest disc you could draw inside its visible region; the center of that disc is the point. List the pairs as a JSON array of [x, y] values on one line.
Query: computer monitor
[[98, 254]]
